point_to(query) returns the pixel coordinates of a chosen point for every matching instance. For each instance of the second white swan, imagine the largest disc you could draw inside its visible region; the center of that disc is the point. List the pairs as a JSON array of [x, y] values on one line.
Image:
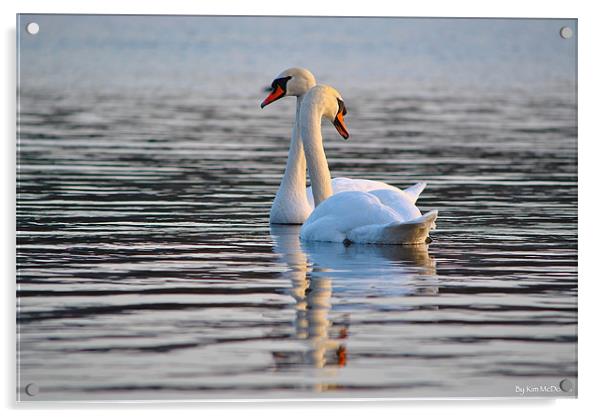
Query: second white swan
[[383, 216]]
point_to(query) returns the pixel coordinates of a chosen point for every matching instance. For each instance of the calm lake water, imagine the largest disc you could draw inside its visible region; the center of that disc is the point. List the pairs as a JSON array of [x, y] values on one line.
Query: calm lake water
[[147, 268]]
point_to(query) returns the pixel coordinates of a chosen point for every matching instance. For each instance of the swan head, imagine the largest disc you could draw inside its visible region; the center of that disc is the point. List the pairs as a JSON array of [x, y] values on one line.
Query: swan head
[[292, 82], [329, 101]]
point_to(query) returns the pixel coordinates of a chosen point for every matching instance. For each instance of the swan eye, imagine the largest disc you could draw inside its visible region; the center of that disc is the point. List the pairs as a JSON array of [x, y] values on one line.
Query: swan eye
[[342, 108], [281, 82], [278, 91]]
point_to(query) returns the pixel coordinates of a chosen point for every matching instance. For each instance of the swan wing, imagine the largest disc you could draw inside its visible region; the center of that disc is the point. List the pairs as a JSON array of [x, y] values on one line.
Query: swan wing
[[399, 201], [344, 184], [415, 190], [411, 232]]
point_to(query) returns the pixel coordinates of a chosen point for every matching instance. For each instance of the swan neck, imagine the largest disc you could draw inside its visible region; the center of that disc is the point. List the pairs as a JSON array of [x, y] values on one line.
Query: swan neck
[[295, 173], [290, 204], [319, 173]]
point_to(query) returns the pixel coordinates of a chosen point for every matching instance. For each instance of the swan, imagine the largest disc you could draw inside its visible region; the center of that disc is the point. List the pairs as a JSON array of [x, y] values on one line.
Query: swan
[[294, 202], [380, 216]]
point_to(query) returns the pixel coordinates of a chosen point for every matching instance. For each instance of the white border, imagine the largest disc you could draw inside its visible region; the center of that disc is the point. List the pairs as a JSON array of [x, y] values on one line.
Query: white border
[[589, 153]]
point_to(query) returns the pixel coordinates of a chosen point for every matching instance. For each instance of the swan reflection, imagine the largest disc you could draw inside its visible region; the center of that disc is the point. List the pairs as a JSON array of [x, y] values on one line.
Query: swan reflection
[[321, 272]]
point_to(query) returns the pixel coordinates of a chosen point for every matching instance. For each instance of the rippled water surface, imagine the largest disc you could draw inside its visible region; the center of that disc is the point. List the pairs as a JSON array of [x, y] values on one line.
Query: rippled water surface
[[147, 268]]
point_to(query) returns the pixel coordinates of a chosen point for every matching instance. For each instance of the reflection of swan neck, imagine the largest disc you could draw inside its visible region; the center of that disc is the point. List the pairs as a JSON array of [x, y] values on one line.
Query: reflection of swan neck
[[310, 119], [318, 305], [318, 324], [312, 299]]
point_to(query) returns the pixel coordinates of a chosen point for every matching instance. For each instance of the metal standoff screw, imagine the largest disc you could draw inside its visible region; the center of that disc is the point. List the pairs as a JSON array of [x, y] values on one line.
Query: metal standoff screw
[[566, 385], [32, 389], [32, 28], [566, 32]]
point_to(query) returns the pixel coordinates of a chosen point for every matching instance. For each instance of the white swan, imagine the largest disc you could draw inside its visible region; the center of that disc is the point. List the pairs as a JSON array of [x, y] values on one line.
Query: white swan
[[383, 216], [294, 202]]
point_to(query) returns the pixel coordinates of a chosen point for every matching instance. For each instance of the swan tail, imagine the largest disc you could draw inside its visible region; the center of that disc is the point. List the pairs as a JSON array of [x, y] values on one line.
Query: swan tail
[[411, 232], [415, 190]]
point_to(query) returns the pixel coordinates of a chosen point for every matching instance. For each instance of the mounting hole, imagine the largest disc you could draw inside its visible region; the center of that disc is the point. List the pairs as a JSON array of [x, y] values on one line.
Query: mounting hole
[[566, 32], [32, 389], [32, 28], [566, 385]]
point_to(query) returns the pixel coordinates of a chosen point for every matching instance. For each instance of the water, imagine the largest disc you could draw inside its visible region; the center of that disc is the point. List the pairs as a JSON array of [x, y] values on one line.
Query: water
[[147, 268]]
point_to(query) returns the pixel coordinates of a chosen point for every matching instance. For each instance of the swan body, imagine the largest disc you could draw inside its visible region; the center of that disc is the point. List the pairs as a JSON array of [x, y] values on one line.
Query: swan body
[[294, 201], [385, 215], [294, 206], [377, 217]]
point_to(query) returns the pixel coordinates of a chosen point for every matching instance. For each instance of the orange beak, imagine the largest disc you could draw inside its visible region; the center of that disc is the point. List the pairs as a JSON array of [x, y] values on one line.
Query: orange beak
[[339, 123], [276, 94]]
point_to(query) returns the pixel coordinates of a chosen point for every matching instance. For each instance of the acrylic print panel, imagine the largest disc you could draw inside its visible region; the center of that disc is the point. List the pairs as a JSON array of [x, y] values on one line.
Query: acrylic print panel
[[147, 264]]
